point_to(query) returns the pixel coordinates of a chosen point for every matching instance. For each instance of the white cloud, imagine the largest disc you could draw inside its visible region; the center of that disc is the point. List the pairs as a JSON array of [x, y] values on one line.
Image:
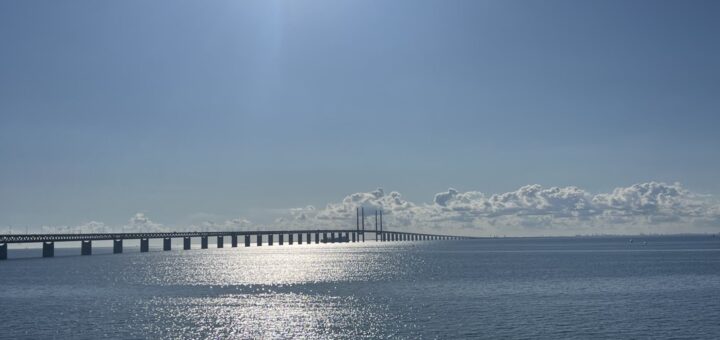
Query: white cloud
[[531, 210], [651, 207], [140, 223], [92, 227]]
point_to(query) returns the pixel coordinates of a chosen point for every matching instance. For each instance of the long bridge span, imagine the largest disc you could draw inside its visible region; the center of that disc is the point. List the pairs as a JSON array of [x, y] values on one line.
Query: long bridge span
[[317, 236], [267, 237]]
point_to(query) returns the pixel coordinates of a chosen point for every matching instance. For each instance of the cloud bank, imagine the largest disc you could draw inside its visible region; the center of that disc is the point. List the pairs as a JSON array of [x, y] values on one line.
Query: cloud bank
[[531, 210], [650, 207]]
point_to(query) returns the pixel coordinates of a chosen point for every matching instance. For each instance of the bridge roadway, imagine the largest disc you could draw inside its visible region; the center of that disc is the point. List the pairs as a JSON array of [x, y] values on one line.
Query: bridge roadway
[[328, 236]]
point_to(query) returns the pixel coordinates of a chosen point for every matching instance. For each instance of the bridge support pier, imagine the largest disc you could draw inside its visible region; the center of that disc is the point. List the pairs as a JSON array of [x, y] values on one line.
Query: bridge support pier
[[233, 241], [258, 237], [117, 246], [3, 251], [167, 244], [187, 242], [48, 249], [290, 238], [220, 241], [354, 237], [270, 239], [317, 238], [144, 245], [86, 247], [332, 237], [307, 236], [281, 239], [247, 240], [203, 242], [299, 238]]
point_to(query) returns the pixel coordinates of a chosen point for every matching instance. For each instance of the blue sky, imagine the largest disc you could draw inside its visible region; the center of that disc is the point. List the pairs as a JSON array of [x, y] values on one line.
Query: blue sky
[[193, 110]]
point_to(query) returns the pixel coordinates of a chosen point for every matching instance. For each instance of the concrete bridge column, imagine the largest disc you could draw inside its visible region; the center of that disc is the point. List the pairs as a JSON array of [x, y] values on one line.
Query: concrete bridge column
[[354, 237], [307, 237], [247, 240], [290, 238], [167, 244], [258, 239], [3, 251], [220, 242], [144, 245], [86, 247], [117, 246], [186, 243], [281, 238], [332, 237], [48, 249], [299, 238], [233, 241], [270, 239], [317, 238], [203, 242]]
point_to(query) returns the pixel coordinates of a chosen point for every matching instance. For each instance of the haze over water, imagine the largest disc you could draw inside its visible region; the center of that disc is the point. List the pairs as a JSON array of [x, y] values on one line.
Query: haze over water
[[545, 288]]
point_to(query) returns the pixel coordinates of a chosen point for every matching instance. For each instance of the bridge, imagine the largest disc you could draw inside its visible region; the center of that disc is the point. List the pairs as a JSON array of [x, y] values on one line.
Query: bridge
[[317, 236]]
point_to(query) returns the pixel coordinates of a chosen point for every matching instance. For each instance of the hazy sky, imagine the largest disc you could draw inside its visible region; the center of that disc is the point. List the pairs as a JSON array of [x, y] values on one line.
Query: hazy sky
[[213, 110]]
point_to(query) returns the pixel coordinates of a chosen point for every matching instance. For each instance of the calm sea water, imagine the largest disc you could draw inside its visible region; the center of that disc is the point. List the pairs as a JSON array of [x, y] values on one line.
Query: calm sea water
[[541, 288]]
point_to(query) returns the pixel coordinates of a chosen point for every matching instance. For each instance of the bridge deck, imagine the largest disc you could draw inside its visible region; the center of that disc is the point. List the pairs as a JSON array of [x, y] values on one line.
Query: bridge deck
[[32, 238]]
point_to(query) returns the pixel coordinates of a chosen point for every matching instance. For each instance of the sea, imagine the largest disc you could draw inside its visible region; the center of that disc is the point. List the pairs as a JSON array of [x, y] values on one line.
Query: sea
[[629, 287]]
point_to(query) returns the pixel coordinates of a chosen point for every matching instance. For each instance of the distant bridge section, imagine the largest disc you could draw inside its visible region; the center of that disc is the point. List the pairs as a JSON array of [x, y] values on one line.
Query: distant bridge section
[[309, 236]]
